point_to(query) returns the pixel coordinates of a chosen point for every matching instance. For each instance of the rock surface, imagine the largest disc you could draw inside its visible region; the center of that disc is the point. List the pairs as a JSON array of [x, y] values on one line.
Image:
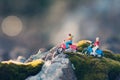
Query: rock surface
[[55, 68]]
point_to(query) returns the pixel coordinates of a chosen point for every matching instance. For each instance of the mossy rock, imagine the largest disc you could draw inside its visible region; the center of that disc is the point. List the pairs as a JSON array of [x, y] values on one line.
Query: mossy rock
[[11, 70], [91, 68], [83, 44], [111, 55]]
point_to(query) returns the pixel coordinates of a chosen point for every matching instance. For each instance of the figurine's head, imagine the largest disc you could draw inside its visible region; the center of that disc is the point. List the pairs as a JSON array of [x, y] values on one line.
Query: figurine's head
[[97, 38], [69, 34]]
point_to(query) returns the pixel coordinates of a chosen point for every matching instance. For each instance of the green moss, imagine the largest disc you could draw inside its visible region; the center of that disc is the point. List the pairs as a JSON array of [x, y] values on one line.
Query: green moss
[[111, 55], [80, 48], [91, 68], [83, 44], [14, 71]]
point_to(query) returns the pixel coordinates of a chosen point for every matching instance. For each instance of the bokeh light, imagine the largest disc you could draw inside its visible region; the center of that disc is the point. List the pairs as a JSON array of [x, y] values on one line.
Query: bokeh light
[[12, 26]]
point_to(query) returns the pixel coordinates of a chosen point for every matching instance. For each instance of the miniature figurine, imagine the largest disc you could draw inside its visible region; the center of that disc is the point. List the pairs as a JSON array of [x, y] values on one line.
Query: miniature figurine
[[96, 45], [69, 40]]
